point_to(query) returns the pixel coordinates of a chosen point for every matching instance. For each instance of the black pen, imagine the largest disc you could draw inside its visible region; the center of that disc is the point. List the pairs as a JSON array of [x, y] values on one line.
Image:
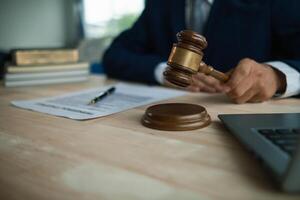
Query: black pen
[[102, 95]]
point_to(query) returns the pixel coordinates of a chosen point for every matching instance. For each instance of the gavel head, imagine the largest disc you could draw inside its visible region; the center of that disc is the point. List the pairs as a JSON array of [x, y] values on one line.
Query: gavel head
[[185, 58]]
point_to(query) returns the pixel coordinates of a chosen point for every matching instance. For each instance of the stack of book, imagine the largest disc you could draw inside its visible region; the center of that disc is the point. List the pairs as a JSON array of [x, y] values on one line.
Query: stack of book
[[38, 67]]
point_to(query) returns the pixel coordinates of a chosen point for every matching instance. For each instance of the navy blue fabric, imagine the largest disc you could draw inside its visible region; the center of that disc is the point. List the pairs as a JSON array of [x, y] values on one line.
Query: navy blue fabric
[[264, 30]]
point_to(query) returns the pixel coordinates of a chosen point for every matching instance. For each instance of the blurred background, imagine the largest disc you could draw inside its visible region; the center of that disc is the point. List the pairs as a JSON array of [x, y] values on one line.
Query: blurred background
[[89, 25]]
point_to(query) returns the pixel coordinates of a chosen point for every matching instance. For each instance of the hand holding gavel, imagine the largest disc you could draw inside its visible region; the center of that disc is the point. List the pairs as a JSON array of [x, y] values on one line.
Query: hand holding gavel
[[250, 81], [185, 60]]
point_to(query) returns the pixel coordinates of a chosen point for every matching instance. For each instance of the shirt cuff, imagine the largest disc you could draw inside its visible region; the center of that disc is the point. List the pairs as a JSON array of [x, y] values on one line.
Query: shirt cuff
[[292, 78], [158, 72]]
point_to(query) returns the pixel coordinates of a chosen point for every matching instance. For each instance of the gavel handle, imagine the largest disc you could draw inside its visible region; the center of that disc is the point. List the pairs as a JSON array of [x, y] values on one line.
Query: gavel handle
[[209, 70], [219, 75]]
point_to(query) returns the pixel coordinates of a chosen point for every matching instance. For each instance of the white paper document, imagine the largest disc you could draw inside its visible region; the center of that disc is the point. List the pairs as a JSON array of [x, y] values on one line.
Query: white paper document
[[75, 105]]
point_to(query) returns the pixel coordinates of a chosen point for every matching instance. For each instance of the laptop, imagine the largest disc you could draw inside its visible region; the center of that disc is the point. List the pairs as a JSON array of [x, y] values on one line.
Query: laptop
[[274, 139]]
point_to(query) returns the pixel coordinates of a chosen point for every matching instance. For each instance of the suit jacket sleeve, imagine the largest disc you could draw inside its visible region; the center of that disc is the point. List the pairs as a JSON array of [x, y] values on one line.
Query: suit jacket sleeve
[[286, 26], [131, 56]]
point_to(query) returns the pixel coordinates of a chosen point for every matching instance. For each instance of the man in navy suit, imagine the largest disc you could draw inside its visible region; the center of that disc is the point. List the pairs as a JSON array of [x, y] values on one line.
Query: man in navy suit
[[257, 41]]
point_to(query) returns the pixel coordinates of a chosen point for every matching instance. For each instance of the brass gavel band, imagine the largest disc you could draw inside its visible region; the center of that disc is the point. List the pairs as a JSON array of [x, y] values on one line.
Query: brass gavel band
[[184, 57]]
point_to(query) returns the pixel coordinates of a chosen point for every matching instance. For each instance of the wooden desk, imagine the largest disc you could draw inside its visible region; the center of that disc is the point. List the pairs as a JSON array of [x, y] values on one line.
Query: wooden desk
[[48, 157]]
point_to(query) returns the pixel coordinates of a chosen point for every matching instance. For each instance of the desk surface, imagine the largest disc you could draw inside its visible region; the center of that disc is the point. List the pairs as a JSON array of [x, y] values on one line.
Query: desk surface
[[115, 157]]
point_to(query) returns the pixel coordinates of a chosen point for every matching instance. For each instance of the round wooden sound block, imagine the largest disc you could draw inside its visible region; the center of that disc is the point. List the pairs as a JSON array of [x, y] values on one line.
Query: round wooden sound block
[[176, 117]]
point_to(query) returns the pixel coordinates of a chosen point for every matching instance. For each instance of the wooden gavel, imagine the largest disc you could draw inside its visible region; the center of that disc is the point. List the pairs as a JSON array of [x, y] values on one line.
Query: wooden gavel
[[186, 59]]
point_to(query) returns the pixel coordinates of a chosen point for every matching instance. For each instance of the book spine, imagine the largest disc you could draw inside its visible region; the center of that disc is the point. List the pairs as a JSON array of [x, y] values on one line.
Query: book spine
[[45, 81], [32, 76], [40, 57], [46, 68]]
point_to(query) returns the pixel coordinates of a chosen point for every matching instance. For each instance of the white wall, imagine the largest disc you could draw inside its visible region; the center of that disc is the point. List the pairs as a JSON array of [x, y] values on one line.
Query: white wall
[[37, 23]]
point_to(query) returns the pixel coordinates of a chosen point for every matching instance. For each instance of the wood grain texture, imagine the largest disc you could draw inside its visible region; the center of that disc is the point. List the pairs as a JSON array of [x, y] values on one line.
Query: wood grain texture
[[115, 157]]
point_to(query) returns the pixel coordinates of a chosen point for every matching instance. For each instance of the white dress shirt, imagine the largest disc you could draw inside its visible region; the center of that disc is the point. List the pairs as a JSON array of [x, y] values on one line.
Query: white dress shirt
[[292, 76]]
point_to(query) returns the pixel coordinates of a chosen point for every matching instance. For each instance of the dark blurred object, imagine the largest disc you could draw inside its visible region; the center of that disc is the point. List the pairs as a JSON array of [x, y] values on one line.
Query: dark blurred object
[[3, 59], [97, 68]]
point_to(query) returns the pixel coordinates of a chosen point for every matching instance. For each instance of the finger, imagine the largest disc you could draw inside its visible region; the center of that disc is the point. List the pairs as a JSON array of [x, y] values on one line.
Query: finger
[[263, 93], [210, 81], [255, 99], [202, 87], [241, 89], [207, 79], [193, 88], [239, 73], [196, 85], [249, 94], [208, 89], [259, 98]]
